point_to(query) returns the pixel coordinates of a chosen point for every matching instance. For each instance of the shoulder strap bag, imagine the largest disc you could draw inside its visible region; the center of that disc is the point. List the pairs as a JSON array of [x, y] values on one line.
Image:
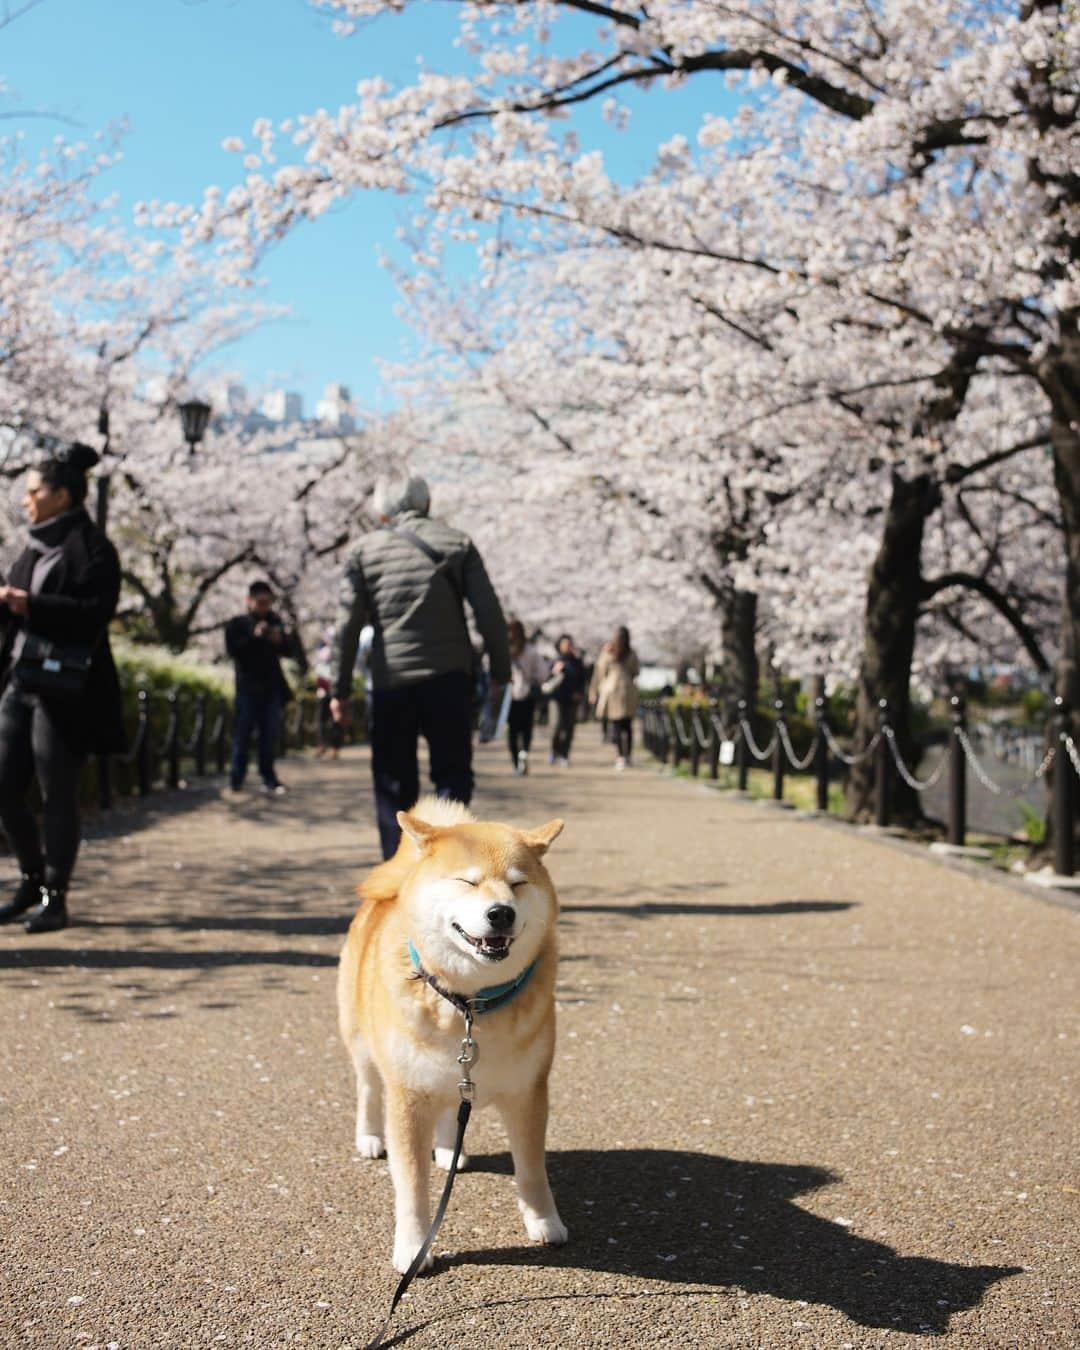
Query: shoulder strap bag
[[442, 569], [55, 669]]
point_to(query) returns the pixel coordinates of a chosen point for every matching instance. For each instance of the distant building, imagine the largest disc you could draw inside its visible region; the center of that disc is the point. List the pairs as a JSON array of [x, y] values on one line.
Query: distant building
[[282, 405], [334, 410], [228, 398]]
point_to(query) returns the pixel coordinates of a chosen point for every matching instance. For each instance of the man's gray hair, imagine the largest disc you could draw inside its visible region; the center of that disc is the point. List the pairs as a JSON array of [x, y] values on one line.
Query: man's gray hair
[[400, 492]]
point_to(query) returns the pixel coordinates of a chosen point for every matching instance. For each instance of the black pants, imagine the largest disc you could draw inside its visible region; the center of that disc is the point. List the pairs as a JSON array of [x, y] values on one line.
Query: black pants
[[519, 725], [564, 729], [439, 709], [257, 710], [624, 735], [29, 745], [331, 734]]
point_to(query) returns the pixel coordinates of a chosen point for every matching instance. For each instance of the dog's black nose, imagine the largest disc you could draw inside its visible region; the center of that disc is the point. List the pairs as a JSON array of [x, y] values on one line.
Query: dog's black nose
[[501, 917]]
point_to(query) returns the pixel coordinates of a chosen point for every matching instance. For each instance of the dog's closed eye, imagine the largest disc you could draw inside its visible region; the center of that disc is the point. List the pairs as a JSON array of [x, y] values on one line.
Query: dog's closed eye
[[466, 882]]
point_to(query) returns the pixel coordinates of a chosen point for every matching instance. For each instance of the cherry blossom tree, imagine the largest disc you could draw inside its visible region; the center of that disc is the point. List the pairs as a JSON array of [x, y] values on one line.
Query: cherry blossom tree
[[914, 159], [93, 317], [659, 402]]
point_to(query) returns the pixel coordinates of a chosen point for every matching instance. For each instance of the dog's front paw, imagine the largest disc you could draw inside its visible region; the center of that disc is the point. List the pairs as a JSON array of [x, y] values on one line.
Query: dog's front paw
[[548, 1228], [370, 1145], [445, 1156], [404, 1251]]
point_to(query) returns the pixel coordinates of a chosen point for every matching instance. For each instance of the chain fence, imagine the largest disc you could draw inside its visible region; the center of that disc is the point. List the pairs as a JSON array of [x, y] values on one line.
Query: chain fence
[[161, 754], [945, 786]]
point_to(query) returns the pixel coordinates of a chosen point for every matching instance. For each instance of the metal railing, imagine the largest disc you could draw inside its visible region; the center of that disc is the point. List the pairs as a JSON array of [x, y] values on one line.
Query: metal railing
[[162, 755], [698, 734]]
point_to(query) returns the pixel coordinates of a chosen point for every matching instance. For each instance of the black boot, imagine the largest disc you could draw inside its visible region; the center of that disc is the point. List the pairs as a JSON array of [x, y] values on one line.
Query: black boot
[[51, 913], [27, 895]]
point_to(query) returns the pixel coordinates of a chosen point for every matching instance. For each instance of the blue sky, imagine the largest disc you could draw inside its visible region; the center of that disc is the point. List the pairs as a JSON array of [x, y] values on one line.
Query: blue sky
[[187, 73]]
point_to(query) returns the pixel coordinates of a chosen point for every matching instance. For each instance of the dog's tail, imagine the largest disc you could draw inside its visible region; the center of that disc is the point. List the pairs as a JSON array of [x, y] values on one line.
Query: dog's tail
[[386, 880]]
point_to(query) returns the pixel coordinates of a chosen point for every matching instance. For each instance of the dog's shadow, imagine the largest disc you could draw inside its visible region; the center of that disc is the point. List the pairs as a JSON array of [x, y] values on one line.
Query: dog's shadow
[[698, 1219]]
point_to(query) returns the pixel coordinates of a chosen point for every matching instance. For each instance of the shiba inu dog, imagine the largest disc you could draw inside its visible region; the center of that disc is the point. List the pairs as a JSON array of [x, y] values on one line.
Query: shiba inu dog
[[463, 915]]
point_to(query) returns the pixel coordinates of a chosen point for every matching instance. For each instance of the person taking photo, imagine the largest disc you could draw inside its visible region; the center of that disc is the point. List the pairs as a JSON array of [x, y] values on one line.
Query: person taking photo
[[256, 642]]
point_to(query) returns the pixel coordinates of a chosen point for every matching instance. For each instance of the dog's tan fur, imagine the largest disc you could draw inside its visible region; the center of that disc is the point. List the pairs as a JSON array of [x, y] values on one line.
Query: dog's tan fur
[[404, 1037]]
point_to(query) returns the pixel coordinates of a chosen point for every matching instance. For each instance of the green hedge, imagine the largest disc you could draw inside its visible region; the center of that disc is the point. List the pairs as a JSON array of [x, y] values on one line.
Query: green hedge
[[158, 671]]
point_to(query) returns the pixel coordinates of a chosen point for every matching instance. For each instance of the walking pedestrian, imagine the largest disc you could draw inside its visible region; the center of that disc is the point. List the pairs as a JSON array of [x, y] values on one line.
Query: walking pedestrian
[[566, 685], [410, 579], [256, 642], [614, 689], [330, 734], [528, 670], [61, 696]]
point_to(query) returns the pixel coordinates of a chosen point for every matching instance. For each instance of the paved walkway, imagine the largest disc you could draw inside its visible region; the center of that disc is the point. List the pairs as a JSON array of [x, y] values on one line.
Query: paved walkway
[[810, 1091]]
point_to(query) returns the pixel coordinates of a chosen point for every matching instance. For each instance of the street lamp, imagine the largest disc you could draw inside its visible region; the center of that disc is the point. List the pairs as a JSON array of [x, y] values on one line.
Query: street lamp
[[104, 478], [194, 415]]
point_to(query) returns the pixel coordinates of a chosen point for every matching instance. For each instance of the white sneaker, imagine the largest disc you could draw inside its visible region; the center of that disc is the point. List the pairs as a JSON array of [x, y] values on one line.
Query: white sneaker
[[620, 764], [523, 762], [563, 762]]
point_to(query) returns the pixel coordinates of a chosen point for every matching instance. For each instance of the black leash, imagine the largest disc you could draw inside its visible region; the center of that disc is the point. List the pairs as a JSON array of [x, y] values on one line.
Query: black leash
[[467, 1088]]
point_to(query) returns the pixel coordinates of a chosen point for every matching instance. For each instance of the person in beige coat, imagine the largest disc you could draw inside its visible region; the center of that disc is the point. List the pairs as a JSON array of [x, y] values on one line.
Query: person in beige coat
[[615, 694]]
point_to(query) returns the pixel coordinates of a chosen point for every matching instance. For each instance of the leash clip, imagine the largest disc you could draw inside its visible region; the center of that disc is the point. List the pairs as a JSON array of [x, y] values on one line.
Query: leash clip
[[467, 1057]]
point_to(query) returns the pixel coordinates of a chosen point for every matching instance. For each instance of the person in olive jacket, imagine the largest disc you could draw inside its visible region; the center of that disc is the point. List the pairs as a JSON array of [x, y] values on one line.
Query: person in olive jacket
[[410, 580], [63, 590]]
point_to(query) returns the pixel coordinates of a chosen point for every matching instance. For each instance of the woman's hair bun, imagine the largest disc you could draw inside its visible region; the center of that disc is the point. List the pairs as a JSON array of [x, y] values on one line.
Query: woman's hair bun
[[79, 456]]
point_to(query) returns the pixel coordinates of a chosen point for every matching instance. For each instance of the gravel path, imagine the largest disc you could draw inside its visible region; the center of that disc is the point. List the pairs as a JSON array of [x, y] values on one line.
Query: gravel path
[[810, 1091]]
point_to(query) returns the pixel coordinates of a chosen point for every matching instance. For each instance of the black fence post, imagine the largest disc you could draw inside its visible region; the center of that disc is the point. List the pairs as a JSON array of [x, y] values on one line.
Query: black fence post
[[743, 749], [200, 735], [778, 754], [172, 739], [105, 793], [145, 755], [714, 746], [221, 740], [957, 775], [1064, 862], [821, 755], [695, 743], [882, 784], [676, 739]]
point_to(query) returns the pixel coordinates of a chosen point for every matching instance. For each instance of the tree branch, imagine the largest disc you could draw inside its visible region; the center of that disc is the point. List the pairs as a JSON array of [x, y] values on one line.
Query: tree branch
[[980, 585]]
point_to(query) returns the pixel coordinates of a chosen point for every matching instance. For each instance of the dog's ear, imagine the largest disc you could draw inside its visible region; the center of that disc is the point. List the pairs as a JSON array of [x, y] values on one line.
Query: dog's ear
[[419, 831], [539, 841]]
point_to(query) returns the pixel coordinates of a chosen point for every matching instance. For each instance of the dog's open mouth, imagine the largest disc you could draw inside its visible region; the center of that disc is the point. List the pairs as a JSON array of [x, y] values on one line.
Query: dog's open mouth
[[494, 948]]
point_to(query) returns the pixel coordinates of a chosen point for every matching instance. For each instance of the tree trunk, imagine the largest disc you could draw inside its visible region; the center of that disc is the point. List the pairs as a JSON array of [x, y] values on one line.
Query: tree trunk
[[1063, 387], [1062, 384], [892, 610], [738, 629]]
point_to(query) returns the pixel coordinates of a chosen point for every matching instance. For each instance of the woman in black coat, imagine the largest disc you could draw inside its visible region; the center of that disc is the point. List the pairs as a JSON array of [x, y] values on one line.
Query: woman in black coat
[[61, 595]]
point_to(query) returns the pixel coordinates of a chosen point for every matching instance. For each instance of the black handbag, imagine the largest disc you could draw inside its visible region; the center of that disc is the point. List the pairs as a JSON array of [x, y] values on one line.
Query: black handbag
[[56, 669]]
